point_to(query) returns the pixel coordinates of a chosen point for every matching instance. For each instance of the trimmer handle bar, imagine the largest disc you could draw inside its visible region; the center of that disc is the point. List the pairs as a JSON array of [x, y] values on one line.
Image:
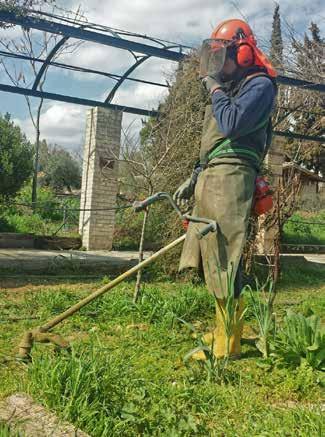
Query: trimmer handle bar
[[140, 205]]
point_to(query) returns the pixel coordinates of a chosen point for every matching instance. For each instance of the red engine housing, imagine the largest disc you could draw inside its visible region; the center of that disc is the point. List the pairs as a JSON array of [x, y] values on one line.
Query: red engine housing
[[263, 199], [185, 224]]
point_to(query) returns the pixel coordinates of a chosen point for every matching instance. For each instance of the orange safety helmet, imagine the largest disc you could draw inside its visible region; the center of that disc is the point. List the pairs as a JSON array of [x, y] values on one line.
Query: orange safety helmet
[[237, 33]]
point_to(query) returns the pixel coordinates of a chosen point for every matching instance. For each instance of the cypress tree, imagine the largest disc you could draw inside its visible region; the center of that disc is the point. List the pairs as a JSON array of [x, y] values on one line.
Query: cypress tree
[[315, 33], [276, 53]]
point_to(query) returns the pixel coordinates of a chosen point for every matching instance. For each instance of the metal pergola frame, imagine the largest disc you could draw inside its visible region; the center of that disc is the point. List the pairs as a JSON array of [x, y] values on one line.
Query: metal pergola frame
[[108, 36], [90, 32]]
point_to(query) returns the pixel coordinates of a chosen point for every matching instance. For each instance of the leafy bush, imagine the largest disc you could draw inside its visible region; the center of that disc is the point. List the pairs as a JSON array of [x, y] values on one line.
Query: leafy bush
[[128, 229], [46, 201], [26, 224], [302, 339], [5, 226], [18, 217], [16, 158]]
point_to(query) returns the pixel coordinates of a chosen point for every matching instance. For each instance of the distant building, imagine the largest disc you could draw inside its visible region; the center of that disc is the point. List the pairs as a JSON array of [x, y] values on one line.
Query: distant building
[[312, 194]]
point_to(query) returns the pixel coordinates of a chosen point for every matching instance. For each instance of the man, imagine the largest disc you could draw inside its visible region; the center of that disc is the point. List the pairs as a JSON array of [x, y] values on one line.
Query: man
[[235, 137]]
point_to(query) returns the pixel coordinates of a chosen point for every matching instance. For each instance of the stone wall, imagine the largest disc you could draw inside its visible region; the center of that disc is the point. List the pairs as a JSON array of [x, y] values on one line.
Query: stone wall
[[99, 178]]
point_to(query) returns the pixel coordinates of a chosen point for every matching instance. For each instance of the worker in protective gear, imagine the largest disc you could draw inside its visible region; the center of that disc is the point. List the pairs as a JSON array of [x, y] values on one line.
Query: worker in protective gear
[[235, 137]]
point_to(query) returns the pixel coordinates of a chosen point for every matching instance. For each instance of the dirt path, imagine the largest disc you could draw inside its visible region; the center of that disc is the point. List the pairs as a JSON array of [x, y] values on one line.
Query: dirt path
[[22, 414]]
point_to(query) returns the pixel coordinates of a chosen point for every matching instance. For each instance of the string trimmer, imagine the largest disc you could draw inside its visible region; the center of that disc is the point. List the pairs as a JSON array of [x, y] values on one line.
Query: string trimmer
[[43, 334]]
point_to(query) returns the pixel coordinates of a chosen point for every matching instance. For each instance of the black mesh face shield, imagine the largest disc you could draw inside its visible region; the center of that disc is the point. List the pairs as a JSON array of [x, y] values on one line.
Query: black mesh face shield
[[212, 57]]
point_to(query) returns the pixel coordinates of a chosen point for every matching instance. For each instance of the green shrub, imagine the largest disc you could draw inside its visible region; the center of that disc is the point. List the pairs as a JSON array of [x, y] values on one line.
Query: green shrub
[[129, 225], [302, 339], [29, 224], [47, 203], [18, 217], [305, 230], [5, 226]]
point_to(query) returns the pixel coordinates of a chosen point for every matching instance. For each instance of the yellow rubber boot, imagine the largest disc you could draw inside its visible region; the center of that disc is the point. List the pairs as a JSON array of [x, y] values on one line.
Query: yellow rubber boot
[[217, 339], [219, 344], [208, 338]]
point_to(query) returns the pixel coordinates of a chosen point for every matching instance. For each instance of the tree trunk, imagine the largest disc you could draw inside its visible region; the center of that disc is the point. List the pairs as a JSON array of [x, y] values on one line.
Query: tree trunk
[[139, 274], [36, 162]]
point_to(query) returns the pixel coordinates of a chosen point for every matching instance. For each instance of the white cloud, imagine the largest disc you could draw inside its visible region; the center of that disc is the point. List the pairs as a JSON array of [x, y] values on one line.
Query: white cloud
[[64, 124], [189, 20], [143, 96], [61, 124], [98, 57], [162, 19]]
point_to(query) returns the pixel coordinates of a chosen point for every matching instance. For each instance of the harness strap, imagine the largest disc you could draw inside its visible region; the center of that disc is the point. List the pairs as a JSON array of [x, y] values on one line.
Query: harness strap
[[223, 147]]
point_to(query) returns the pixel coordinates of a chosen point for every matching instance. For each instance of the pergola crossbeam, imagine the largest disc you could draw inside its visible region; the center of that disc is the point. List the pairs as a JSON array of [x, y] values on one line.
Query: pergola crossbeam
[[113, 76], [75, 100], [88, 35]]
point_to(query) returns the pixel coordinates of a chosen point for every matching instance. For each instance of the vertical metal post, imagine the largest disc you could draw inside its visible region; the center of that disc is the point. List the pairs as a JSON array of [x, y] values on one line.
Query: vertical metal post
[[65, 217]]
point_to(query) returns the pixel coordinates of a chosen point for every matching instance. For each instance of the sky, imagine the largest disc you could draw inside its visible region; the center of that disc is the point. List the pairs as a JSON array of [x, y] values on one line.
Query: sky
[[186, 22]]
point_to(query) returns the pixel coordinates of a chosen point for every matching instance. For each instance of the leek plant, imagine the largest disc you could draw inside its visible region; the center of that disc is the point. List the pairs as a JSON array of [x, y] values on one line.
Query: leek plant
[[6, 431], [229, 309], [262, 305]]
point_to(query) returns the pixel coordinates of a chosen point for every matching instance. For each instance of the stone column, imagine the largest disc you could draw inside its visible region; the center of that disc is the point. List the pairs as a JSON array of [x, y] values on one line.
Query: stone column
[[273, 162], [99, 178]]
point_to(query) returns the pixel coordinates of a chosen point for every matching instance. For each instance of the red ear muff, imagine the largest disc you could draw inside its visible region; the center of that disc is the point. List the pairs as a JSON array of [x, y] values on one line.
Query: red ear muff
[[245, 55]]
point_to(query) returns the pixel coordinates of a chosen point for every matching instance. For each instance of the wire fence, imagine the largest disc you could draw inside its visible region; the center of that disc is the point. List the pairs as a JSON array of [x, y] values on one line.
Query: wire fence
[[303, 222], [66, 209], [58, 216]]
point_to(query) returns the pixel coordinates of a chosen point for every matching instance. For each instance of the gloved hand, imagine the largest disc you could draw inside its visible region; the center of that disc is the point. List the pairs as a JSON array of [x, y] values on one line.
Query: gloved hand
[[186, 190], [211, 84]]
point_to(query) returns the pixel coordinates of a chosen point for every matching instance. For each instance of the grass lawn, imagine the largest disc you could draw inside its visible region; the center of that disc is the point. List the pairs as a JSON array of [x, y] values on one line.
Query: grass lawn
[[126, 375], [305, 227]]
